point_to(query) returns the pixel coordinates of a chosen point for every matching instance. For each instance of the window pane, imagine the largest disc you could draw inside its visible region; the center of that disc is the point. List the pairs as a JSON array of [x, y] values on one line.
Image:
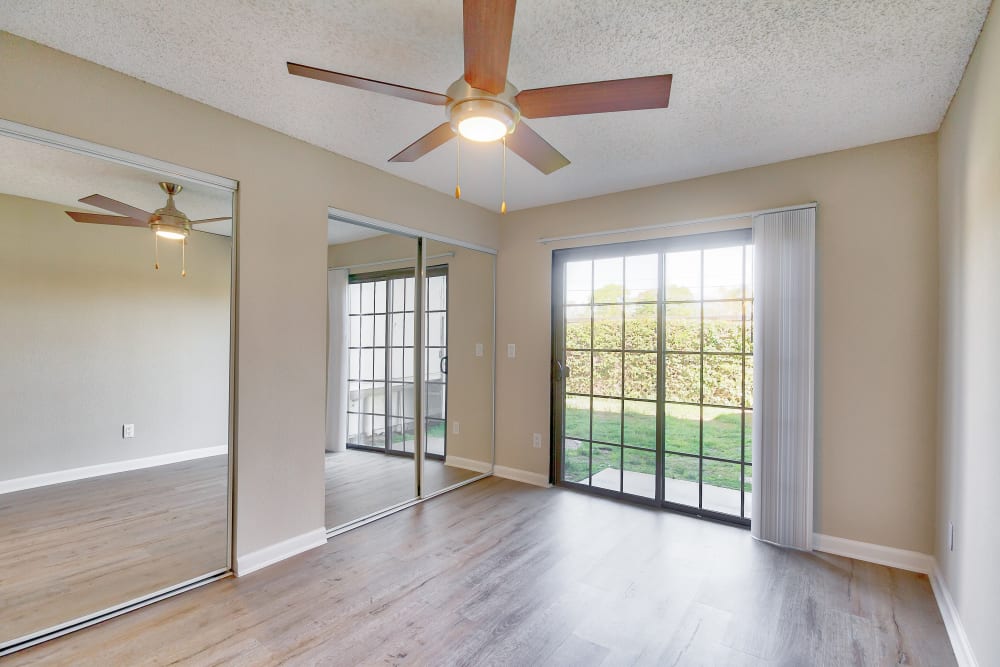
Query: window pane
[[639, 478], [380, 297], [748, 334], [607, 467], [435, 437], [354, 296], [747, 490], [748, 276], [682, 327], [355, 335], [367, 364], [723, 380], [408, 366], [352, 428], [397, 370], [609, 280], [368, 330], [608, 373], [437, 295], [408, 329], [640, 424], [398, 325], [680, 479], [607, 422], [435, 400], [640, 277], [379, 330], [608, 327], [721, 433], [749, 382], [576, 460], [721, 490], [436, 329], [436, 364], [682, 378], [683, 276], [748, 435], [398, 297], [379, 368], [354, 364], [640, 327], [723, 327], [578, 364], [367, 297], [724, 273], [578, 327], [408, 296], [682, 424], [577, 417], [578, 282], [640, 375]]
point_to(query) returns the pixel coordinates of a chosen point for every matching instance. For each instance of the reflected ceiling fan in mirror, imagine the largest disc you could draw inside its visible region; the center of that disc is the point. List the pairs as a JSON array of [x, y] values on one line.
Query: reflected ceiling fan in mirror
[[483, 106], [167, 222]]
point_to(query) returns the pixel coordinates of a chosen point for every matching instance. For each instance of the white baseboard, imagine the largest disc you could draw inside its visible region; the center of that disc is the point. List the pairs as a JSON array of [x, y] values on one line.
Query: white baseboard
[[914, 561], [519, 475], [73, 474], [468, 464], [256, 560], [952, 622]]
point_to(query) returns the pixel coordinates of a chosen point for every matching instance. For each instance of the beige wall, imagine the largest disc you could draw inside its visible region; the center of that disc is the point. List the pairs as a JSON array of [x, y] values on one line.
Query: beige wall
[[876, 314], [969, 455], [83, 311], [470, 321], [285, 189]]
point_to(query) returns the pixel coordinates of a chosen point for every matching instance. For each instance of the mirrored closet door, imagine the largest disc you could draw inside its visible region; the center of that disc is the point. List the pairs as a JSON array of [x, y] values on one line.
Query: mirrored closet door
[[114, 385]]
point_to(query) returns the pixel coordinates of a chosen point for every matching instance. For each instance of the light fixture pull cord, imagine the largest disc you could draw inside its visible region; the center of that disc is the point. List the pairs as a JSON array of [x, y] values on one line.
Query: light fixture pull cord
[[458, 167], [184, 243], [156, 251], [503, 186]]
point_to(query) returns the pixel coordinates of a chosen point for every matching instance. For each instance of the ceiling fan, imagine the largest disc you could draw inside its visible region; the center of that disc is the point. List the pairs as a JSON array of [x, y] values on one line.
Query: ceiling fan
[[483, 106], [167, 222]]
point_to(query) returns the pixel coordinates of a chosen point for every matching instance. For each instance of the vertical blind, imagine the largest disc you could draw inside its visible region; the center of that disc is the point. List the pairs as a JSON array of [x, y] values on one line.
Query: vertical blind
[[784, 349]]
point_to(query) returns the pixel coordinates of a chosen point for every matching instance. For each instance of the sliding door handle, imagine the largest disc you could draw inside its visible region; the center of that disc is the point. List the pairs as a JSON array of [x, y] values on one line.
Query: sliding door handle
[[560, 371], [443, 366]]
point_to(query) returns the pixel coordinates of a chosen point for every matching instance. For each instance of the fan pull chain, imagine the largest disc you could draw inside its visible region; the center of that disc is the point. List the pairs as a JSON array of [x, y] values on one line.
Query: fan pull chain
[[184, 244], [458, 167], [156, 251], [503, 186]]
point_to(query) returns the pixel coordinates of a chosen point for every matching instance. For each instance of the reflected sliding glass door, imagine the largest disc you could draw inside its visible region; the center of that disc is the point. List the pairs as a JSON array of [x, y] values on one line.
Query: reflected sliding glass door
[[652, 392], [381, 412]]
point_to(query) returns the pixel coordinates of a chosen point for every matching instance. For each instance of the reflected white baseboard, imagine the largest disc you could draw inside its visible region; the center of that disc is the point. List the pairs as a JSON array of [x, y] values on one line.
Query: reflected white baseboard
[[468, 464], [519, 475], [952, 621], [86, 472], [269, 555]]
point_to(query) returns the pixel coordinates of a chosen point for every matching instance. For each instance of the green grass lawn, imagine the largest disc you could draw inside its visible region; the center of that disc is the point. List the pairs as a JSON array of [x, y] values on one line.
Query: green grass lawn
[[721, 439]]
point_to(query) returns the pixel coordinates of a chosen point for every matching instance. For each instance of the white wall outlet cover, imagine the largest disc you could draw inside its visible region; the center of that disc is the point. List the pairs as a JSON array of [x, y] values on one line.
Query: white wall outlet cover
[[128, 430], [511, 351], [536, 440], [479, 349]]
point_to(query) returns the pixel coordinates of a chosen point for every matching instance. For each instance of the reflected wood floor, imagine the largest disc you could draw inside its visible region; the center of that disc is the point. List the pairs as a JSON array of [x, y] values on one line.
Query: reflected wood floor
[[502, 573], [359, 483], [72, 549]]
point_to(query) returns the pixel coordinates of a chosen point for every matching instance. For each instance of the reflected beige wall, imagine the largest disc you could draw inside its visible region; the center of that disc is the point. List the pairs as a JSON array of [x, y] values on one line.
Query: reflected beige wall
[[83, 314], [286, 187], [969, 456], [470, 321], [876, 315]]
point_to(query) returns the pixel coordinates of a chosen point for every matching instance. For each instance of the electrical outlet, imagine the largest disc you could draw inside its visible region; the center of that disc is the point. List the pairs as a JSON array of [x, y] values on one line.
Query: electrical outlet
[[511, 352], [951, 536], [128, 430], [536, 440], [454, 428], [479, 349]]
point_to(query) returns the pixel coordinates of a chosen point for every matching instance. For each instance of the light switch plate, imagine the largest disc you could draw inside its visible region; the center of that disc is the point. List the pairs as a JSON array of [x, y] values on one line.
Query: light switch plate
[[479, 349], [454, 428], [510, 350], [128, 430]]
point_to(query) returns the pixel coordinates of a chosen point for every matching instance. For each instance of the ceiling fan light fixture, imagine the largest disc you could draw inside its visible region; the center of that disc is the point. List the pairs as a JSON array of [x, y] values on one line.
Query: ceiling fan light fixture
[[483, 120], [169, 232]]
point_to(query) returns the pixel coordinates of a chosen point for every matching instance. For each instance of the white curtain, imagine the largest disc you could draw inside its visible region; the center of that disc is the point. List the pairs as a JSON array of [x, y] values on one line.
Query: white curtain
[[337, 362], [784, 342]]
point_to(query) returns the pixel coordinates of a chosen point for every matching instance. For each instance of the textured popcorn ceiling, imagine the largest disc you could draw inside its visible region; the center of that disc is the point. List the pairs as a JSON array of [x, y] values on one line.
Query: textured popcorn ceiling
[[49, 174], [755, 81]]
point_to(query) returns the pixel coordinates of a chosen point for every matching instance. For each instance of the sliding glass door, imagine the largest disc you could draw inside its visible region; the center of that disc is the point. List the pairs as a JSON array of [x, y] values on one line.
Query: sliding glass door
[[652, 344], [381, 413]]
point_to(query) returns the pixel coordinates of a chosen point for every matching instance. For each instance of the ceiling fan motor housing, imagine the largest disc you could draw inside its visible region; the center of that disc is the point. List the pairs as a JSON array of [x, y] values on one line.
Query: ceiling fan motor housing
[[468, 102], [169, 218]]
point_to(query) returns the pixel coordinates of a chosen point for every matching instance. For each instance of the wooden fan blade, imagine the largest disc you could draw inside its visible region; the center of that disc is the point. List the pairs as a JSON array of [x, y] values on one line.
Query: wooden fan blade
[[109, 204], [488, 25], [536, 151], [101, 219], [646, 92], [441, 134], [198, 222], [371, 85]]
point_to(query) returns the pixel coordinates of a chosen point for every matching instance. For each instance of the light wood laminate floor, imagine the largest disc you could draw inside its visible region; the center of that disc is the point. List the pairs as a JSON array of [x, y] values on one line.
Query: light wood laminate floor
[[77, 548], [359, 483], [503, 573]]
